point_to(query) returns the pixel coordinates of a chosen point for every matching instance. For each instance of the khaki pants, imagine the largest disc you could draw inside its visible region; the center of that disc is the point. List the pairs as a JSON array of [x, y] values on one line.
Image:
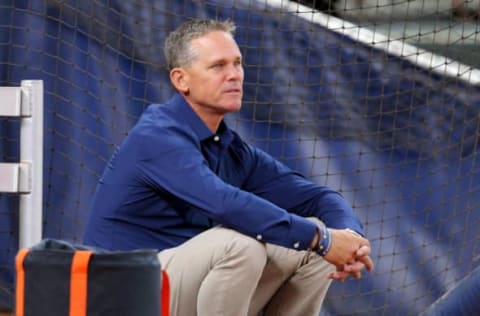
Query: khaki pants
[[223, 272]]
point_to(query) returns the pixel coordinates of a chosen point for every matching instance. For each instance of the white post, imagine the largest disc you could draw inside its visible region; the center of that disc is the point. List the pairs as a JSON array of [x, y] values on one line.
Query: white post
[[31, 154]]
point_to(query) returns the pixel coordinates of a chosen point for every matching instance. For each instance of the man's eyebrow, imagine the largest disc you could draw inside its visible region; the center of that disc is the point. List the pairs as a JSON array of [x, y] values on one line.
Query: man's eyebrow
[[218, 60]]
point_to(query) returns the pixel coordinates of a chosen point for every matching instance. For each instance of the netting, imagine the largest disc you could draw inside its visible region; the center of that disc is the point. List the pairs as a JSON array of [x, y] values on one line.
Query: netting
[[377, 99]]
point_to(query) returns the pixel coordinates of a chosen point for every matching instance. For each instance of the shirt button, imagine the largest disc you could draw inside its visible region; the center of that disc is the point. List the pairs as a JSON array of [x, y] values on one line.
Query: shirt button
[[296, 245], [259, 237], [216, 138]]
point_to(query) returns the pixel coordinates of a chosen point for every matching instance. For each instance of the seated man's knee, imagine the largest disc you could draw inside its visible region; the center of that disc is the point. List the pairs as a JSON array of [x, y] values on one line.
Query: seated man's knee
[[248, 251]]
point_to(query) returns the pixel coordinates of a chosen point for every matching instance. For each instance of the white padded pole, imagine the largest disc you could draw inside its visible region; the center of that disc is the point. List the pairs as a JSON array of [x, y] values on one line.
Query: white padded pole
[[10, 99], [31, 154], [14, 177]]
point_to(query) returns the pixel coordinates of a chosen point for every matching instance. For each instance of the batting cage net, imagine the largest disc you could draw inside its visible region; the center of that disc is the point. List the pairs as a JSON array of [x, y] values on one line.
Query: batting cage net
[[378, 99]]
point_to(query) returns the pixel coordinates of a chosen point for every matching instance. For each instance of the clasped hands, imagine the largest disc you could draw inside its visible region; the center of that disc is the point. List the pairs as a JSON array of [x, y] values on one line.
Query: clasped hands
[[350, 253]]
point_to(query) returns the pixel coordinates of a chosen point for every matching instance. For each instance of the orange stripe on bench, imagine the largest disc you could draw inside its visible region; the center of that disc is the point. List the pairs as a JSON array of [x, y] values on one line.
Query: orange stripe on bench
[[79, 283], [20, 284]]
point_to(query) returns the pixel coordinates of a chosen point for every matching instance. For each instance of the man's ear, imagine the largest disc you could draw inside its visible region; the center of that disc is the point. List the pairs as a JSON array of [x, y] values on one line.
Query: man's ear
[[178, 78]]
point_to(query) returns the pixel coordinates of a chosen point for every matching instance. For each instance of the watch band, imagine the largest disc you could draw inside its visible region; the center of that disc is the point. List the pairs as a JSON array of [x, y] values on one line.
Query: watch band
[[325, 240]]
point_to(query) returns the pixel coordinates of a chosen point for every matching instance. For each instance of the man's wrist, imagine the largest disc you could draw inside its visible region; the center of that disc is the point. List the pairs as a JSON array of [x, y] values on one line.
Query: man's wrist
[[353, 232]]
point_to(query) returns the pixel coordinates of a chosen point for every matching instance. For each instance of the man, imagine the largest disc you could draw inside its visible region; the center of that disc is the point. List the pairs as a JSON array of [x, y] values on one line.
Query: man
[[239, 233]]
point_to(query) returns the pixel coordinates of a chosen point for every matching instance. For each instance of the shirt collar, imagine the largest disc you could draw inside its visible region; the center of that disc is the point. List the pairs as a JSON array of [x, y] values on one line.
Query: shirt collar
[[179, 105], [225, 134]]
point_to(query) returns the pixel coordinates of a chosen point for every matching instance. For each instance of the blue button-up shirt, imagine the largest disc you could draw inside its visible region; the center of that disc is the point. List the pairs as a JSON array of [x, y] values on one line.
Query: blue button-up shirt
[[172, 178]]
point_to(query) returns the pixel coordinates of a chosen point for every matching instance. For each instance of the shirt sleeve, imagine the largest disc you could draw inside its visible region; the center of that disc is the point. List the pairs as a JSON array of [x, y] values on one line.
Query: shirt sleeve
[[277, 183], [176, 165]]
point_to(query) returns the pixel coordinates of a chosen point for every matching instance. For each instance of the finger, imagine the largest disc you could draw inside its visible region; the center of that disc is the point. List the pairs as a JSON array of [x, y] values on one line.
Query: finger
[[363, 254], [355, 267], [332, 275], [364, 250], [338, 276], [356, 275], [368, 262], [342, 276]]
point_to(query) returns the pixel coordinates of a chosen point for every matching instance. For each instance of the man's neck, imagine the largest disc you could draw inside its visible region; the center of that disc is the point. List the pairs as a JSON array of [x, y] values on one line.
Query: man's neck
[[211, 119]]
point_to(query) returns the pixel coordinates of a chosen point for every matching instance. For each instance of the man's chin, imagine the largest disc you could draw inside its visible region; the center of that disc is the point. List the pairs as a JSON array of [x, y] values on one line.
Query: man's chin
[[233, 106]]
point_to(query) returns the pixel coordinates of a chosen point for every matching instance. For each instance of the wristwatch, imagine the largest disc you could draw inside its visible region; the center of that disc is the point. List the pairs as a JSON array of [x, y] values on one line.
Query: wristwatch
[[324, 240]]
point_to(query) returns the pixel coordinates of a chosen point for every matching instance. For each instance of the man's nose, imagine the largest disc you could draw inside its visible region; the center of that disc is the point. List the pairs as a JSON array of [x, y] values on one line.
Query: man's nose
[[235, 72]]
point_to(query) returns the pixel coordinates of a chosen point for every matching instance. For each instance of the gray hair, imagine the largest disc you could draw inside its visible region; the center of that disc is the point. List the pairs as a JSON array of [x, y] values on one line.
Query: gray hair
[[177, 49]]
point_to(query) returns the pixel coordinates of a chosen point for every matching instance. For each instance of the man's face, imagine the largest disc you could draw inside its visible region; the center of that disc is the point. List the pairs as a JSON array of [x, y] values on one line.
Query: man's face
[[215, 76]]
